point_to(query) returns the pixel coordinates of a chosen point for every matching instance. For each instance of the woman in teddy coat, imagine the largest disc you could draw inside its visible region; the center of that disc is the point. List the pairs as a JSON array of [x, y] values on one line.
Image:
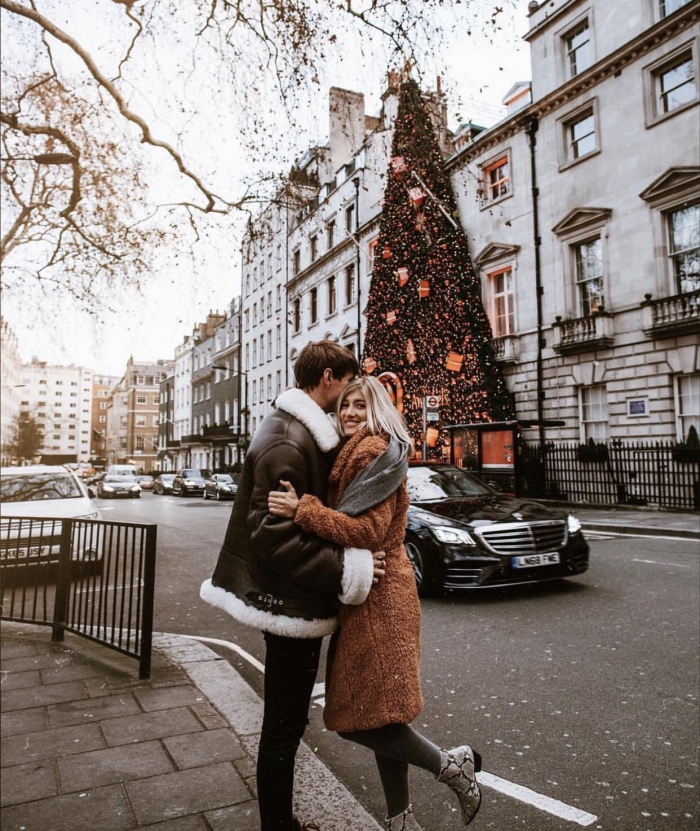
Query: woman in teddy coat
[[373, 668]]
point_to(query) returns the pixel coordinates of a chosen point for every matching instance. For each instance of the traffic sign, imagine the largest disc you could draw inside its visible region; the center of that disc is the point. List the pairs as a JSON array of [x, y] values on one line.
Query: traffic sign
[[432, 402]]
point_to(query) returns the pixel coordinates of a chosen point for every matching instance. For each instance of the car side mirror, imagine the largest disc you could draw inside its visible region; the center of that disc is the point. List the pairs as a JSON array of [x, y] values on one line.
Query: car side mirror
[[92, 492]]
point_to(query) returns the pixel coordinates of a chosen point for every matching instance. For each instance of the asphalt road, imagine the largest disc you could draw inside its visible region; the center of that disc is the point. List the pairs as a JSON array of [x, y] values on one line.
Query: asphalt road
[[584, 692]]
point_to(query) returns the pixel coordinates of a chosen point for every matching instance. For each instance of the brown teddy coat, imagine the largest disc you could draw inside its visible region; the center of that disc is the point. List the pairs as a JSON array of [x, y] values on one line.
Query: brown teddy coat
[[373, 667]]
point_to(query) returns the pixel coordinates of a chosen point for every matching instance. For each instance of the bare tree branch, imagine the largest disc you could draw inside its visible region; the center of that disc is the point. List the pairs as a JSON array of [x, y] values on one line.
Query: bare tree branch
[[111, 89]]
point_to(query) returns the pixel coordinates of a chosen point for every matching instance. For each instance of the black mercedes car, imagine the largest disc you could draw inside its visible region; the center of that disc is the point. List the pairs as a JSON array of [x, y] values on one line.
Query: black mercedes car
[[462, 534]]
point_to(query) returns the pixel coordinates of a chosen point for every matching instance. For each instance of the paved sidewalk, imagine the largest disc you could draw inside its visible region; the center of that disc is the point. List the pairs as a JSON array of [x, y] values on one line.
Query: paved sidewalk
[[87, 746], [636, 521]]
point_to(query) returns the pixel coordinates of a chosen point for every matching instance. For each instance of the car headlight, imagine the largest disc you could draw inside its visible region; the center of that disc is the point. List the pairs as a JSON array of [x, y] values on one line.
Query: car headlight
[[573, 524], [108, 489], [135, 488], [226, 488], [188, 482], [453, 535]]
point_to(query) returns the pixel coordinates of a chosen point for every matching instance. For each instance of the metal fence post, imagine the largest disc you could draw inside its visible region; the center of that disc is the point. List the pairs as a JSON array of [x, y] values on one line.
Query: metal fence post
[[60, 609], [149, 583]]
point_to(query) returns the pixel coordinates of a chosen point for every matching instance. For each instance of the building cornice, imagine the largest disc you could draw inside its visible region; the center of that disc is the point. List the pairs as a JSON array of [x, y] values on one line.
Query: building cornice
[[549, 19], [660, 32]]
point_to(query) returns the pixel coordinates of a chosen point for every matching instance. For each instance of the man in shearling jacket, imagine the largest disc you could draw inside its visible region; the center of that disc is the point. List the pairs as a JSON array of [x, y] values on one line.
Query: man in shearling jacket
[[273, 576]]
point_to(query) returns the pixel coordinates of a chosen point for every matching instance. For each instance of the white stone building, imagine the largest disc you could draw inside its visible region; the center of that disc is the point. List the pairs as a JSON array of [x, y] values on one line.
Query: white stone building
[[615, 258], [60, 399]]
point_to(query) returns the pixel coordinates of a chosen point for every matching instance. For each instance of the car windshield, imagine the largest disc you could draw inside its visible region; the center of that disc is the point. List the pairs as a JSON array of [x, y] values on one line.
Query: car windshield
[[429, 484], [224, 477], [114, 478], [20, 488], [167, 478], [196, 474]]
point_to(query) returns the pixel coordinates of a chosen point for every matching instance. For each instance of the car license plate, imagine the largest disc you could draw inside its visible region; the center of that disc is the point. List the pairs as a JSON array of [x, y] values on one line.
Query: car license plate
[[533, 560]]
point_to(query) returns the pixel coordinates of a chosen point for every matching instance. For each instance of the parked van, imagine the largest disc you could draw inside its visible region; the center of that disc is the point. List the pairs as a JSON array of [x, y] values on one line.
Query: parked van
[[123, 470]]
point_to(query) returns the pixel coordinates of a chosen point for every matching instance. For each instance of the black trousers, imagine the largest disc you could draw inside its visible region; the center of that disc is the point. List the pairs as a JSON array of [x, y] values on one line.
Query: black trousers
[[291, 665]]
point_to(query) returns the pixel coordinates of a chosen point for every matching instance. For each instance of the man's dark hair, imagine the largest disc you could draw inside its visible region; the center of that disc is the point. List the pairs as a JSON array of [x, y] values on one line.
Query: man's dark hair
[[318, 356]]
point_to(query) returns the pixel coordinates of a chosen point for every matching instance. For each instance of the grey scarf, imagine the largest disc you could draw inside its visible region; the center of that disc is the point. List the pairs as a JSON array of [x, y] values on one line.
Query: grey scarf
[[377, 481]]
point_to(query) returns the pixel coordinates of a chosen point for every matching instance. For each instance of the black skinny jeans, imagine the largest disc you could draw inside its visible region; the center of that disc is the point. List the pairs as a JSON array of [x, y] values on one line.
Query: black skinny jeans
[[291, 665]]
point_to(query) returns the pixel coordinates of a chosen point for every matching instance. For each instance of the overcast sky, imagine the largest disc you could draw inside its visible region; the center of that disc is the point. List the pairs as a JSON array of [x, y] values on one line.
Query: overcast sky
[[151, 324]]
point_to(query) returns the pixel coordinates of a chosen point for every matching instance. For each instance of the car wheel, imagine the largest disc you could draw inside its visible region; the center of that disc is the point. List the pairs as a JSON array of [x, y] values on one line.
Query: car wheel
[[417, 560], [218, 496], [205, 495], [183, 492]]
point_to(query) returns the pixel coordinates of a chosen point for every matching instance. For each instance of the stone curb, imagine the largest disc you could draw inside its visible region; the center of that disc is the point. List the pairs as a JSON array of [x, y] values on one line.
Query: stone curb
[[319, 795]]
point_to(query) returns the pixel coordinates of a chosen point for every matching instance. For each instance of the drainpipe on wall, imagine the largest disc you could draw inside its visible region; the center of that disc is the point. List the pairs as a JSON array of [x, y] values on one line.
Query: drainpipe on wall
[[286, 294], [531, 126], [356, 182]]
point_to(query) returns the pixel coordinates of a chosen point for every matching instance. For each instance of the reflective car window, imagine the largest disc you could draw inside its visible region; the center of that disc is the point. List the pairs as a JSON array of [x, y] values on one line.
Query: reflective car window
[[113, 478], [224, 477], [193, 474], [427, 484], [39, 486]]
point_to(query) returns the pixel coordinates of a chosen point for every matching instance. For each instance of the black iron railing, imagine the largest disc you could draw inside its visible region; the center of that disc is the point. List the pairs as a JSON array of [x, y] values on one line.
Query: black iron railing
[[89, 577], [613, 473]]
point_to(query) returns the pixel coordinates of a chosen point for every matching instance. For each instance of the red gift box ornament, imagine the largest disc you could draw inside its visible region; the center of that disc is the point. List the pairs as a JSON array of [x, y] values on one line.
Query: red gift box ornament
[[402, 276], [431, 436], [417, 196], [386, 253], [410, 351], [391, 318], [369, 365], [454, 361], [398, 164], [424, 288]]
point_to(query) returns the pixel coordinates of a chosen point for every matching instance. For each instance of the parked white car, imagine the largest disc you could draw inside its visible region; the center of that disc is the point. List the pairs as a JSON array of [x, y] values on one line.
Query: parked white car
[[39, 497], [44, 491]]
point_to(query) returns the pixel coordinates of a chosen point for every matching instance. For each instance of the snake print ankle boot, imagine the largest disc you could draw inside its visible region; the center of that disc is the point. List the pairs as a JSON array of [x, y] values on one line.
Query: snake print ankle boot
[[405, 821], [457, 770]]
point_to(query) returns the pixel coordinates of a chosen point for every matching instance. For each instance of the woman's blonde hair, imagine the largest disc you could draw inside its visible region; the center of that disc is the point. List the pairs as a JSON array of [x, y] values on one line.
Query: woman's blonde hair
[[382, 416]]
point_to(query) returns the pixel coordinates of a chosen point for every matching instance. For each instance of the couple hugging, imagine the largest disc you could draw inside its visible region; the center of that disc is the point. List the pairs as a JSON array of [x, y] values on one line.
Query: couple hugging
[[314, 547]]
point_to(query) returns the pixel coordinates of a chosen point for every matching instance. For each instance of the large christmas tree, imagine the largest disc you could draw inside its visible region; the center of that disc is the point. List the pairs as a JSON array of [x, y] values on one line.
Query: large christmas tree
[[427, 331]]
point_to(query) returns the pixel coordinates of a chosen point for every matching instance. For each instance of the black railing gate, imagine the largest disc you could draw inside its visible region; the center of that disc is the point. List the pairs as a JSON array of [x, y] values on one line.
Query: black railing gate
[[613, 473], [90, 577]]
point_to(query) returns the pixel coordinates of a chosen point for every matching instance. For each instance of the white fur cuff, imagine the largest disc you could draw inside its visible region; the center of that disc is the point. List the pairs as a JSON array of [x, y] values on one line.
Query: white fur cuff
[[358, 573]]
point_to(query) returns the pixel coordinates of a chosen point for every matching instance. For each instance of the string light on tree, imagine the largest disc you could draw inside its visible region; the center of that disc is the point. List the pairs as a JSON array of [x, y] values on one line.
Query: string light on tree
[[426, 325]]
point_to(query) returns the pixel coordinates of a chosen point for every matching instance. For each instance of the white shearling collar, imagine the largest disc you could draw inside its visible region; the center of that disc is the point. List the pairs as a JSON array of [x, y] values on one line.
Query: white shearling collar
[[300, 405]]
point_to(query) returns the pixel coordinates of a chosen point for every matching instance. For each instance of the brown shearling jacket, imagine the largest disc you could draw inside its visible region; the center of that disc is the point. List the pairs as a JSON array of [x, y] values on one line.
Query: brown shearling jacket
[[270, 573]]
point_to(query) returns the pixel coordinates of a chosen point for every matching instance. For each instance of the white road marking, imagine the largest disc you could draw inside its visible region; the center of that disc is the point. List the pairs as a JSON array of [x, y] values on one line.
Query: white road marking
[[538, 800], [234, 647], [660, 563], [490, 780], [619, 535]]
